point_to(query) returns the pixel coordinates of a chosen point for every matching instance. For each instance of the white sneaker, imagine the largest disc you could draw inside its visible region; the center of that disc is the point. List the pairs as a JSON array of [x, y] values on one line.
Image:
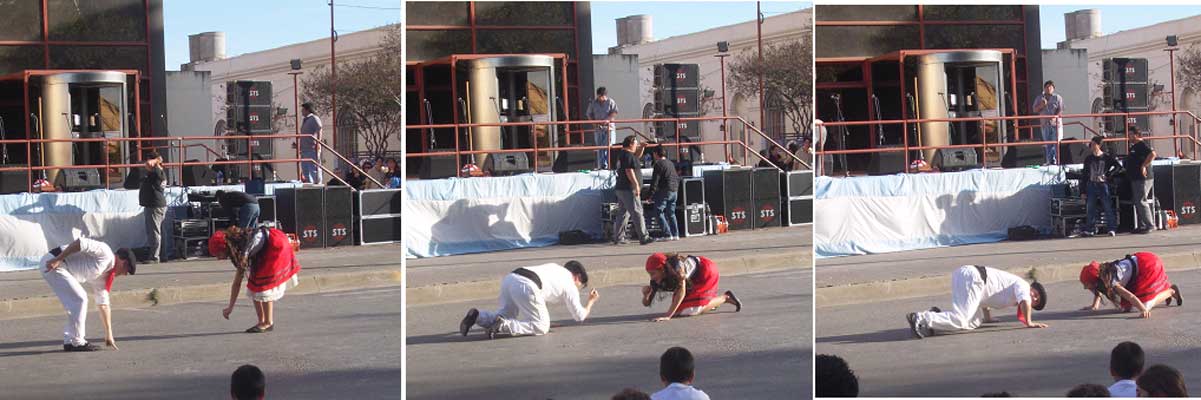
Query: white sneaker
[[675, 238]]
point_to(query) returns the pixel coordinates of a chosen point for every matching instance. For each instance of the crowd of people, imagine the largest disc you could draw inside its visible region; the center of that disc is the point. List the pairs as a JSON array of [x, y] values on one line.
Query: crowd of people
[[677, 370], [385, 171]]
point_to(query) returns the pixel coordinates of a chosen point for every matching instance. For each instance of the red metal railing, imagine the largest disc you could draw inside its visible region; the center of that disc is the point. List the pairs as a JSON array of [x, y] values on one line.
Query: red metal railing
[[458, 153], [984, 145]]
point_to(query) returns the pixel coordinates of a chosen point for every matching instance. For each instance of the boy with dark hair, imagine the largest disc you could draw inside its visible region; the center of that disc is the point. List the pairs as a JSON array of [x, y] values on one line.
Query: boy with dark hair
[[524, 294], [834, 378], [1138, 171], [665, 185], [976, 291], [677, 369], [631, 394], [248, 383], [1125, 364], [85, 261], [1088, 390], [1099, 169]]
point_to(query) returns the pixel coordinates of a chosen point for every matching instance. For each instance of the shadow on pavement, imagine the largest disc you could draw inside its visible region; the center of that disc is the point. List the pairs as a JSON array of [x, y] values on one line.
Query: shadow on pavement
[[56, 345]]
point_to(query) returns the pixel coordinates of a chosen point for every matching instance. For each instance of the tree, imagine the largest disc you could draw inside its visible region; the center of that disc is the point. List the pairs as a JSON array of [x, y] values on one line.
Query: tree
[[787, 70], [1188, 68], [367, 91]]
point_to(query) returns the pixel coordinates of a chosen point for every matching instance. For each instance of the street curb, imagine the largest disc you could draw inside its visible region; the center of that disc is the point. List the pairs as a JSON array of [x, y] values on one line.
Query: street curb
[[872, 292], [442, 293], [149, 297]]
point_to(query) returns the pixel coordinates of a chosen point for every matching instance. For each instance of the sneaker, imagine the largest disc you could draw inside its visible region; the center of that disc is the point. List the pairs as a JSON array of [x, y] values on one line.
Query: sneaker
[[468, 321], [498, 327], [732, 299], [646, 240], [83, 347], [1112, 233], [675, 238], [913, 327], [935, 309], [1087, 234], [620, 242]]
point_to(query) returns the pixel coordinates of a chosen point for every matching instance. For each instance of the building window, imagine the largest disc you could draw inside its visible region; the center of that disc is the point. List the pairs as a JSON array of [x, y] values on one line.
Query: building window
[[870, 41], [445, 13], [19, 58], [100, 57], [972, 13], [513, 13], [22, 21], [866, 13], [97, 20], [976, 37]]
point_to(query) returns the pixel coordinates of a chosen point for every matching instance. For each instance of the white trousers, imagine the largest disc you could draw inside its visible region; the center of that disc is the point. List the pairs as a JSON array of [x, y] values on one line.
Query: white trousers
[[967, 291], [521, 305], [75, 301]]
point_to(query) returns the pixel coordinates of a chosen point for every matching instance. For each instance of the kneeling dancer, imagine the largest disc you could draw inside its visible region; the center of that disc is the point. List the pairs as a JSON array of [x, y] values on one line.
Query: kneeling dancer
[[524, 294], [692, 281], [974, 291], [1136, 281]]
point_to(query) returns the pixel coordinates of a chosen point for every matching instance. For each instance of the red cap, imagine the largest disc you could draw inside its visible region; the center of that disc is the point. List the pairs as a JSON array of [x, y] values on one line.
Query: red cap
[[656, 261], [1090, 273], [217, 244]]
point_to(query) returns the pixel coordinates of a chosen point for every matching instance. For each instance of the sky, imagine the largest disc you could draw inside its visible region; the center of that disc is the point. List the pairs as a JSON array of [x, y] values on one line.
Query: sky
[[254, 25], [678, 18], [1113, 18]]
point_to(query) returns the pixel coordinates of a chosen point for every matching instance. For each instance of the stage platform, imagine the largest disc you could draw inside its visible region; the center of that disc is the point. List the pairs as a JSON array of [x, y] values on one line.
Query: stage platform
[[883, 214]]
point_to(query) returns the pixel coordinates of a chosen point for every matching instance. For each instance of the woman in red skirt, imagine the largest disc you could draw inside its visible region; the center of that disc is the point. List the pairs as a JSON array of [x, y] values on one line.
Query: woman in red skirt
[[692, 282], [266, 258], [1135, 282]]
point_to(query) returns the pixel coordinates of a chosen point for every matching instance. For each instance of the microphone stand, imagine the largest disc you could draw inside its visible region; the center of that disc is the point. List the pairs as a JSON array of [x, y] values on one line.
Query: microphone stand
[[842, 140]]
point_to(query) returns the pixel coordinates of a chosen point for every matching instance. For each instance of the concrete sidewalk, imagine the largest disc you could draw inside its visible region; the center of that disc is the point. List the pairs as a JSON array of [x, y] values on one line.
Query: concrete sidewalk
[[26, 294], [477, 276], [918, 273]]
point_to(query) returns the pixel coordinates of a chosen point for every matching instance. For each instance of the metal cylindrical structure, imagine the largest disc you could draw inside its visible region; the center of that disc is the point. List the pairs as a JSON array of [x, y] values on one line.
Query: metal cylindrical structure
[[932, 91], [1082, 24], [58, 117], [207, 46], [484, 95]]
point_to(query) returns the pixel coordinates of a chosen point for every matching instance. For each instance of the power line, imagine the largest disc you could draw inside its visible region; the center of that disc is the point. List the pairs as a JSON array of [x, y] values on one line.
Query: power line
[[366, 7]]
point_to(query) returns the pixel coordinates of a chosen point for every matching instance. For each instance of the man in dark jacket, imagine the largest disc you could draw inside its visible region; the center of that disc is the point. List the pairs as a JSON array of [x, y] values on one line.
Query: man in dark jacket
[[154, 204], [1099, 168], [665, 183], [242, 207], [1138, 169]]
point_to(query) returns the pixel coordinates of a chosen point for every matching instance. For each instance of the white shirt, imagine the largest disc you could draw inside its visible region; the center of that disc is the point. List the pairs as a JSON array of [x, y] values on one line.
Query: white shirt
[[679, 391], [91, 266], [1124, 388], [1004, 290], [559, 285]]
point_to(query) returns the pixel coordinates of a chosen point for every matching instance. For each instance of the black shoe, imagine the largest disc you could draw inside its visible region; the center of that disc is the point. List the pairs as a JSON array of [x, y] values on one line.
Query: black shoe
[[732, 299], [646, 240], [1176, 295], [468, 321], [912, 318], [83, 347], [935, 309], [257, 329]]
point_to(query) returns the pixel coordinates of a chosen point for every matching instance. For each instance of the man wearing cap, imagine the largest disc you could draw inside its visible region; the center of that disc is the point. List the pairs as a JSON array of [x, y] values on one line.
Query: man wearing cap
[[975, 290], [524, 294], [1135, 282], [85, 261], [263, 256]]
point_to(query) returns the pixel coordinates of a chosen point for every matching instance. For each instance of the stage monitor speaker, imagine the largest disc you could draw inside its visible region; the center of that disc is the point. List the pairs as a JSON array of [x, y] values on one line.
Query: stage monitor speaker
[[379, 229], [1023, 156], [766, 190], [194, 175], [13, 181], [377, 216], [691, 192], [1124, 70], [339, 212], [574, 160], [437, 167], [1178, 188], [377, 202], [798, 211], [509, 164], [1072, 153], [79, 180], [955, 159], [728, 193], [301, 212], [267, 209], [797, 183], [691, 220], [886, 163]]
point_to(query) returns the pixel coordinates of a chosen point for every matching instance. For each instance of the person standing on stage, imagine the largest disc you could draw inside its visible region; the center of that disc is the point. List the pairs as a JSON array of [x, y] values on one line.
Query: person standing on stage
[[1137, 281], [603, 108], [265, 257], [85, 261], [308, 145], [665, 184], [524, 294], [628, 189], [1099, 169], [1138, 170], [242, 207], [692, 282], [154, 204], [975, 290], [1049, 103]]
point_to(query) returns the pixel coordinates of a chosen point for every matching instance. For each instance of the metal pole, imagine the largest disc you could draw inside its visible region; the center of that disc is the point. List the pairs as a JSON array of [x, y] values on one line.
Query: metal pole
[[725, 123], [1172, 70], [333, 71], [296, 100], [759, 34]]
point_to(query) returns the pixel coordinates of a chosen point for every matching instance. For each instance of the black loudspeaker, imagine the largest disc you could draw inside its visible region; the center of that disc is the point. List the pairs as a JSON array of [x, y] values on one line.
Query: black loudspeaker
[[1125, 96], [728, 193], [267, 209], [886, 163], [260, 147], [133, 180], [798, 211], [1023, 156], [1072, 153], [688, 129], [195, 175], [691, 220], [1124, 69], [955, 159], [300, 211], [509, 163], [571, 161], [797, 183], [13, 181], [691, 192], [766, 189], [677, 75], [339, 216], [79, 180], [437, 167], [248, 93], [377, 216], [1178, 188]]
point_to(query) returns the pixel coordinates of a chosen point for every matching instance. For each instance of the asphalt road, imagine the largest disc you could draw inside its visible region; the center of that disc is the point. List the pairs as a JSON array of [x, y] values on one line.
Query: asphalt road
[[875, 340], [763, 352], [325, 346]]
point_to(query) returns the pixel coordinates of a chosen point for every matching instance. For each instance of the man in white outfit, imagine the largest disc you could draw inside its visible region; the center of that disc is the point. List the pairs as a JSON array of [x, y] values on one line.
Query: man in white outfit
[[975, 290], [524, 294], [88, 261]]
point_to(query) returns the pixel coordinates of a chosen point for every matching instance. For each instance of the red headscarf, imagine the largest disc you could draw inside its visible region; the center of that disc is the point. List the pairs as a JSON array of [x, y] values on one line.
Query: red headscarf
[[656, 261], [1090, 273], [217, 244]]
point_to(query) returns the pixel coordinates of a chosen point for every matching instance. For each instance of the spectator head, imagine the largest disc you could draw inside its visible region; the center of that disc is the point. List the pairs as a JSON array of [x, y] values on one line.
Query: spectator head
[[834, 378], [793, 147], [391, 163], [658, 152], [601, 92], [631, 394], [578, 272], [1161, 381], [128, 264], [1089, 390], [307, 108], [997, 394], [630, 142], [1126, 361], [152, 155], [1135, 132], [248, 383], [676, 365]]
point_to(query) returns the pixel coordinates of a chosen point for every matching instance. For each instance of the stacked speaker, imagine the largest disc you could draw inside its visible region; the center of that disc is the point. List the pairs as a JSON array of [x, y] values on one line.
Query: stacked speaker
[[766, 197], [1125, 82], [1178, 188], [798, 200], [249, 111], [677, 95], [377, 216], [729, 194]]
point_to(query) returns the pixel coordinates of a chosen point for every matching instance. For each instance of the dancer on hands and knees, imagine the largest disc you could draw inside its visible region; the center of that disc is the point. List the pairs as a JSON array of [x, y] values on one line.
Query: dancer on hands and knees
[[692, 282], [975, 291], [524, 294], [1135, 282]]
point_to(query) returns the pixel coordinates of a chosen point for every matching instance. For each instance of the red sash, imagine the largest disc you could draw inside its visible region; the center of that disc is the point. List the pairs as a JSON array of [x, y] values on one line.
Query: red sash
[[702, 286], [275, 264]]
